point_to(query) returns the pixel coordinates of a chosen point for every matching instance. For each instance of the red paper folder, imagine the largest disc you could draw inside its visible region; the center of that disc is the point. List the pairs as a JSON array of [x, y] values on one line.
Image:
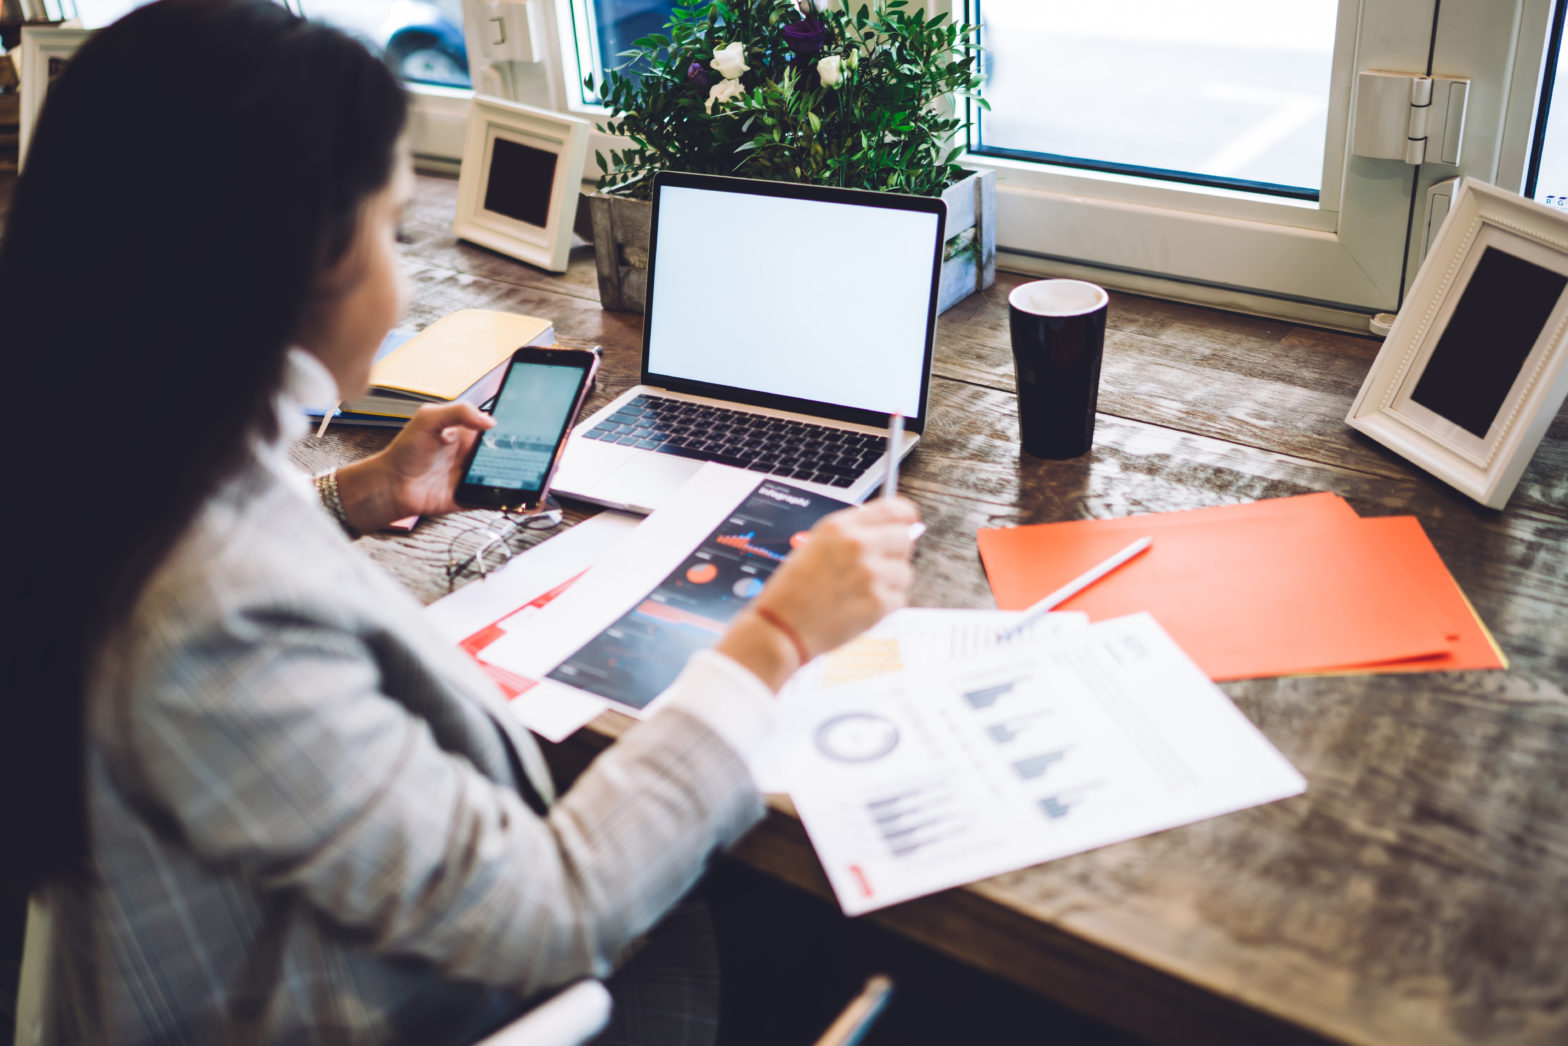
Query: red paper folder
[[1279, 587]]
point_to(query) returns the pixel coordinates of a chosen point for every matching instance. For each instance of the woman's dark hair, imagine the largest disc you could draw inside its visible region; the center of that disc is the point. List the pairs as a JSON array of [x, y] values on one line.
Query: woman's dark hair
[[197, 168]]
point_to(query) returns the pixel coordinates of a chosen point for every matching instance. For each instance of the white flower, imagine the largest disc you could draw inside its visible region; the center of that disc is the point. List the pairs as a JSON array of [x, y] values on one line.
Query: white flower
[[828, 69], [722, 92], [730, 61]]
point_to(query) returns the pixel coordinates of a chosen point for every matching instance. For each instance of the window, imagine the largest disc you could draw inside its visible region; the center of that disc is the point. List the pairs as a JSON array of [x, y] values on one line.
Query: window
[[95, 14], [1548, 176], [422, 42], [602, 30], [1228, 93], [1348, 250], [421, 39]]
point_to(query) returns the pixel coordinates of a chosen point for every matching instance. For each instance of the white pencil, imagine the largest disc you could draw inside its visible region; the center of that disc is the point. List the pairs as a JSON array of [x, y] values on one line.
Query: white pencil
[[895, 437], [1073, 587], [326, 419]]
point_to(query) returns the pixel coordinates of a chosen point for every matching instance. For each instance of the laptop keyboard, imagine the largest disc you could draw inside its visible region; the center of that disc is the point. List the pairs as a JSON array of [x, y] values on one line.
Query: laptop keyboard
[[780, 447]]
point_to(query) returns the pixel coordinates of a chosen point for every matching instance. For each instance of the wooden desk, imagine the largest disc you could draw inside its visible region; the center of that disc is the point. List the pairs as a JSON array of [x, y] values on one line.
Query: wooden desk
[[1417, 893]]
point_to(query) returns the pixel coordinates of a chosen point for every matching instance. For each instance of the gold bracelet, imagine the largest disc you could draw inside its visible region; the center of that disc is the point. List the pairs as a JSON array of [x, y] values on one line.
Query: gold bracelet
[[327, 488]]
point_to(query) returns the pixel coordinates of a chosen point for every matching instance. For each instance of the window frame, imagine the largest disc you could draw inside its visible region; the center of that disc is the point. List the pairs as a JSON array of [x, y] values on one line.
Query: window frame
[[1344, 253], [1500, 120]]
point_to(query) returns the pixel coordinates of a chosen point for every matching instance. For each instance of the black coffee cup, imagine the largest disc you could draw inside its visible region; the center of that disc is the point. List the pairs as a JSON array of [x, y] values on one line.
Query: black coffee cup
[[1058, 332]]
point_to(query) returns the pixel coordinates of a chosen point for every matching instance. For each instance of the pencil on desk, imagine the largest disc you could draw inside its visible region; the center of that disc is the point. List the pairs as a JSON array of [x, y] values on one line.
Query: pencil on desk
[[1073, 587], [326, 419]]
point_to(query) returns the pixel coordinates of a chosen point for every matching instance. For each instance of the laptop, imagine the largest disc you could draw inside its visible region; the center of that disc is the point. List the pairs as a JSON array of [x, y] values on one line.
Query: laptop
[[784, 325]]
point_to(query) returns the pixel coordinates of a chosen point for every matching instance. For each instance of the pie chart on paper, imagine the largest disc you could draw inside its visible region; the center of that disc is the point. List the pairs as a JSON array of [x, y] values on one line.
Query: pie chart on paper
[[702, 573], [856, 737]]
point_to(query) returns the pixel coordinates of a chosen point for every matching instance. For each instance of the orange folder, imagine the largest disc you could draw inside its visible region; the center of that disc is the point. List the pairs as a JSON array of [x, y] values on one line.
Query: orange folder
[[1278, 587], [1470, 644]]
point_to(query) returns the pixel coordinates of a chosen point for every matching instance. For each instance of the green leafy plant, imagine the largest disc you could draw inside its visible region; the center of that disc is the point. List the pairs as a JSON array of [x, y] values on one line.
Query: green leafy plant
[[779, 90]]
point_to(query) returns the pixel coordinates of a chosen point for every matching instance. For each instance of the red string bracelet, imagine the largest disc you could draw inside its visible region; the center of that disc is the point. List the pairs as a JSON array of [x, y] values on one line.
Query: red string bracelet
[[789, 633]]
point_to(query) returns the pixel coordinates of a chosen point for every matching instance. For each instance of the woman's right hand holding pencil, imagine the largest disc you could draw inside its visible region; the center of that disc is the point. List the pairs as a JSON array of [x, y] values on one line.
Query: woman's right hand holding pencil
[[851, 570]]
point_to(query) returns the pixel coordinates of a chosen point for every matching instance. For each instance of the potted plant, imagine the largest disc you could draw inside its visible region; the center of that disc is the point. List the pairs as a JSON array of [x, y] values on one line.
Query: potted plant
[[778, 89]]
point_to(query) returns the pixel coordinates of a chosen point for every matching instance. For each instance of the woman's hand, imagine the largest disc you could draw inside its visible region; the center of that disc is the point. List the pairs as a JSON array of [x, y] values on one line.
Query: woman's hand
[[417, 473], [851, 572]]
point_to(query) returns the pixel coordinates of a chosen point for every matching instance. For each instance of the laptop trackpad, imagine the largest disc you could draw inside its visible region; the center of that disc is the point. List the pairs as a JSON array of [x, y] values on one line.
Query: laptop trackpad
[[585, 464], [646, 481]]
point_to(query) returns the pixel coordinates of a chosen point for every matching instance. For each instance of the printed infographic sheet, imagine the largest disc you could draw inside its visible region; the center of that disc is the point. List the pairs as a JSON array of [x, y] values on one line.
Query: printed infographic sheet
[[624, 630], [640, 654]]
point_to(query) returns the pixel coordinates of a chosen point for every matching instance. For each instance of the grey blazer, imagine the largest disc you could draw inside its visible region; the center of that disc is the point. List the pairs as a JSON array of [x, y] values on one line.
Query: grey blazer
[[308, 813]]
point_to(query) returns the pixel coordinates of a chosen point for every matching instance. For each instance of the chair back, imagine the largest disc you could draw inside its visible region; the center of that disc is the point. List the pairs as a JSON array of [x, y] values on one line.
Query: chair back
[[570, 1017], [32, 993]]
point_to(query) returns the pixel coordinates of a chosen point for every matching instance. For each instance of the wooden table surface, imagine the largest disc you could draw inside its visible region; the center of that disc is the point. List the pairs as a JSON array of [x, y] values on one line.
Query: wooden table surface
[[1417, 893]]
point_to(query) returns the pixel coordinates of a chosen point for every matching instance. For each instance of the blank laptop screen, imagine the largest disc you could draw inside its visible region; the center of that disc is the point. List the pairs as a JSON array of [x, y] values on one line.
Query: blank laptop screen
[[819, 301]]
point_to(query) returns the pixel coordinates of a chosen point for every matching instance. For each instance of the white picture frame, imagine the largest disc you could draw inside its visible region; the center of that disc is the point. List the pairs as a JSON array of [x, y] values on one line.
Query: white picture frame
[[521, 175], [1475, 366], [42, 48]]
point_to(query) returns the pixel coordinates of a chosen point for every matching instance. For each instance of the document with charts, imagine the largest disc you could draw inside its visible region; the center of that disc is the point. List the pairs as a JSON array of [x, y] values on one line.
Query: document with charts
[[918, 781], [622, 633]]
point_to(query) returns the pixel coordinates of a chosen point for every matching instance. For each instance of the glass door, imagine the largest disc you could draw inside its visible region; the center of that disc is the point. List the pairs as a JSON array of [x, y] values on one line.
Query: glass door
[[1547, 180], [1227, 93], [1199, 147], [1503, 46], [1203, 148]]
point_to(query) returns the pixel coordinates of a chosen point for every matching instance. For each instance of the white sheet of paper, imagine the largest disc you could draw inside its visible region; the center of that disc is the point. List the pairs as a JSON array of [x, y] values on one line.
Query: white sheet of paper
[[528, 575], [555, 712], [917, 638], [503, 599], [623, 577], [928, 779]]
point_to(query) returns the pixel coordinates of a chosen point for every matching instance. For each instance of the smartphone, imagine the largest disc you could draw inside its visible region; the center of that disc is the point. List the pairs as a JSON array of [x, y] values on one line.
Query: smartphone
[[540, 396]]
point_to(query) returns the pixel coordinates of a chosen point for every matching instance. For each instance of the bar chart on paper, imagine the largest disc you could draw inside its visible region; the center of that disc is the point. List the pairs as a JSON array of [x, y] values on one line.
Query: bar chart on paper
[[921, 816]]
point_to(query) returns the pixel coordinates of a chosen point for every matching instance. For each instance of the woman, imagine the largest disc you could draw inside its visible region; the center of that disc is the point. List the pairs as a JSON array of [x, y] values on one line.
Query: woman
[[263, 802]]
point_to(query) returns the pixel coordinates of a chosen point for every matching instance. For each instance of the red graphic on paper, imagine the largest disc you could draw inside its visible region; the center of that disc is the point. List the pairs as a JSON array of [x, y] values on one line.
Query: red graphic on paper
[[511, 683], [742, 543], [861, 880], [676, 616]]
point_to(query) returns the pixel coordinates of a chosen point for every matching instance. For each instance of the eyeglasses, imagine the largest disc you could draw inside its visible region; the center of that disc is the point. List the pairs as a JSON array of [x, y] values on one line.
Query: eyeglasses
[[487, 544]]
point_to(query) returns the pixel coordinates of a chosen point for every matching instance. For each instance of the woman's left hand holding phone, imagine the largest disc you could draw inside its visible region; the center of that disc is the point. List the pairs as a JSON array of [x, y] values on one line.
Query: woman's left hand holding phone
[[416, 474]]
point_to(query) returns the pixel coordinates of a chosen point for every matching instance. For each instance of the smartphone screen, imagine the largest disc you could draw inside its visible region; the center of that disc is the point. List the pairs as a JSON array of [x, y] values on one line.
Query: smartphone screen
[[512, 462]]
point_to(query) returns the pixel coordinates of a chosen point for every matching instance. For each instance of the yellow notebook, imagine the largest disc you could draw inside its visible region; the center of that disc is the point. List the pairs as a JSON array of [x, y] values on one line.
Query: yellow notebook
[[462, 356], [445, 359]]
